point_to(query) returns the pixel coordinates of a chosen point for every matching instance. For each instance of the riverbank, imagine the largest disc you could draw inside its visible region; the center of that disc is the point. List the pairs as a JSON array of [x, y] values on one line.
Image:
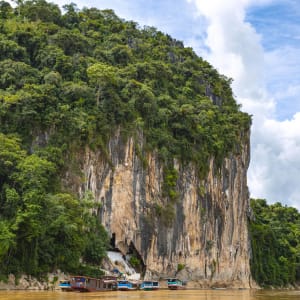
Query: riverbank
[[51, 283], [26, 282]]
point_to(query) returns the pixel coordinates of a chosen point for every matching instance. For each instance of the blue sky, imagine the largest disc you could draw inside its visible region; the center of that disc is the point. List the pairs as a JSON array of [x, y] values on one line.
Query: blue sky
[[257, 43], [279, 26]]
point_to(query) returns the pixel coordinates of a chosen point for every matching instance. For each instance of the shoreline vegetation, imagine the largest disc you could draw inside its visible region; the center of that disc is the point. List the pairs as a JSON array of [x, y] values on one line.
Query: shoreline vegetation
[[70, 80], [275, 241]]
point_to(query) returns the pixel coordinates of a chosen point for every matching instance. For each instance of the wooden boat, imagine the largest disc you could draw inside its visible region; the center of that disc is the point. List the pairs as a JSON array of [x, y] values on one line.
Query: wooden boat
[[109, 283], [65, 285], [128, 285], [90, 284], [149, 285], [176, 284]]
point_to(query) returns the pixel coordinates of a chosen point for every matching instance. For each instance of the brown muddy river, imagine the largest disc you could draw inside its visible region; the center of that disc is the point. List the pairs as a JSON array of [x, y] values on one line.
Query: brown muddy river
[[155, 295]]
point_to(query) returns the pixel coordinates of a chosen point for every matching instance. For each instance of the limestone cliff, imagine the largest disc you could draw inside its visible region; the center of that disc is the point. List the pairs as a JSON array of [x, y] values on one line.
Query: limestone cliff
[[208, 235]]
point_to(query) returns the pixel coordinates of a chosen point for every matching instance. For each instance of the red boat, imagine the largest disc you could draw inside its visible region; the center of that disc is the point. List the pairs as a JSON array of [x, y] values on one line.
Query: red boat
[[90, 284]]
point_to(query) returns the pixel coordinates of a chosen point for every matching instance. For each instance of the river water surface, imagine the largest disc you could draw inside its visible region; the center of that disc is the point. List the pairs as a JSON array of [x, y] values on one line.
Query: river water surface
[[154, 295]]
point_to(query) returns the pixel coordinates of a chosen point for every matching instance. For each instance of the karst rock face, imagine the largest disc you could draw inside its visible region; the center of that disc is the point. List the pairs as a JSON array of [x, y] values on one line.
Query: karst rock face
[[208, 235]]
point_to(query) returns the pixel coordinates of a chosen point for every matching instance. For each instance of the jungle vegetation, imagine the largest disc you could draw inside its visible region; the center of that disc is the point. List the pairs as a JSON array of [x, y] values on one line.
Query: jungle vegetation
[[70, 78], [275, 240]]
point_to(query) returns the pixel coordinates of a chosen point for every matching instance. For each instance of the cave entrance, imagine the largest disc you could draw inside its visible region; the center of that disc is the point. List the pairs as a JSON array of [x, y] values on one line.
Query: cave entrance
[[135, 259], [113, 242]]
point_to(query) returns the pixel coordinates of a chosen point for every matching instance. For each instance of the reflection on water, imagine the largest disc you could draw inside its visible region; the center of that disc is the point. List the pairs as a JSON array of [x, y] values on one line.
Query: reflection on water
[[157, 295]]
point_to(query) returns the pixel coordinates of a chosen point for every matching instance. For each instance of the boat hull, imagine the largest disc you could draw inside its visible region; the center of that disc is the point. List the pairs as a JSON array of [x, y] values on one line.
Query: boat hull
[[177, 287], [66, 289]]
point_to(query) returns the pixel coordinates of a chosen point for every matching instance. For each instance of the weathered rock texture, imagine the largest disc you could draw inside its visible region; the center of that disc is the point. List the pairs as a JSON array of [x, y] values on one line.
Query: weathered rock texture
[[27, 282], [209, 234]]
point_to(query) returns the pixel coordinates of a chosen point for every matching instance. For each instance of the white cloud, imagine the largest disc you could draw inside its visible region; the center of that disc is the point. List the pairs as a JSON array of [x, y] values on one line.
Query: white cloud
[[235, 49], [277, 163]]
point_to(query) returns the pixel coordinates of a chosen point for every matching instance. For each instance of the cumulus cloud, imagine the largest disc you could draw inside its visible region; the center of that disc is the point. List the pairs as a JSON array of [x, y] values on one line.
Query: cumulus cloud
[[276, 168], [234, 46], [235, 49]]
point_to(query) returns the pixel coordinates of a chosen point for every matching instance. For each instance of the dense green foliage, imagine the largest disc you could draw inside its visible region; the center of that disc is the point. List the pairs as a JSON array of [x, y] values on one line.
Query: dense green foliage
[[82, 74], [275, 237], [69, 80], [42, 229]]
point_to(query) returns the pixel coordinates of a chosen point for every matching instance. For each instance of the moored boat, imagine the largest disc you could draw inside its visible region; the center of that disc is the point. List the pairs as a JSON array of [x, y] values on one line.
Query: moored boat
[[90, 284], [128, 285], [148, 285], [176, 284], [65, 285]]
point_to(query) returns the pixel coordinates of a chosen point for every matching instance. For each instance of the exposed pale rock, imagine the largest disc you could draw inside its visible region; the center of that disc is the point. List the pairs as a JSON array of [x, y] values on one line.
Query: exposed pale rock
[[209, 235]]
